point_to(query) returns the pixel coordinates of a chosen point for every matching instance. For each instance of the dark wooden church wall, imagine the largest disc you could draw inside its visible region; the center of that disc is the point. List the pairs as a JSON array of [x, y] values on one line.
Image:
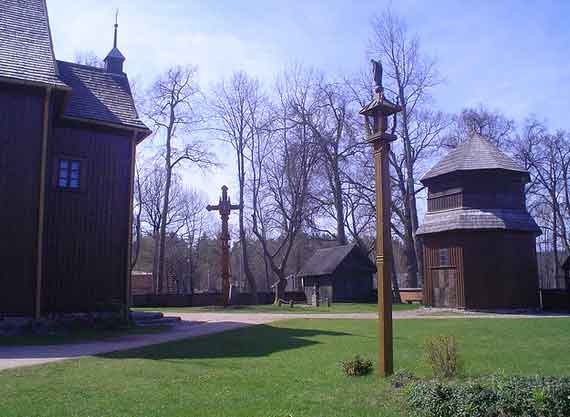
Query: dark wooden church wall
[[501, 270], [86, 231], [433, 268], [21, 119]]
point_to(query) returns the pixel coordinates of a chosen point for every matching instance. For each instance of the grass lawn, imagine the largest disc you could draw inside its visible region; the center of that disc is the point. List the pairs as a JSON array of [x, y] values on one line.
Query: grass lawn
[[84, 335], [289, 368], [271, 308]]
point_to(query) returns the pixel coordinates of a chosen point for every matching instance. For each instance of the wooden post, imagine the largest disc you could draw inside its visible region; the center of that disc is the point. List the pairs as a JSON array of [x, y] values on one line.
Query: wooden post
[[41, 206], [376, 114], [130, 225], [383, 257]]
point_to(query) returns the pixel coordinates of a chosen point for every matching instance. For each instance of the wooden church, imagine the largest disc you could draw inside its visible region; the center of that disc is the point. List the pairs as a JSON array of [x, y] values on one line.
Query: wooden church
[[68, 135], [479, 239]]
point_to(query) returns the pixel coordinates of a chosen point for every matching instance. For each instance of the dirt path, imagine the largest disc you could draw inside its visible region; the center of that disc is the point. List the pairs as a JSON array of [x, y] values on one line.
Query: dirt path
[[201, 324]]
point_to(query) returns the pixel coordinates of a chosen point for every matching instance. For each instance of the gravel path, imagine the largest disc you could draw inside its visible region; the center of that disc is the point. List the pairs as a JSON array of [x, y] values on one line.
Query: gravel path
[[201, 324]]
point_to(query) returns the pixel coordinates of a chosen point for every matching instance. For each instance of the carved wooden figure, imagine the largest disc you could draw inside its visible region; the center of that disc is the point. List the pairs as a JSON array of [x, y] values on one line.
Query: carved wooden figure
[[225, 207]]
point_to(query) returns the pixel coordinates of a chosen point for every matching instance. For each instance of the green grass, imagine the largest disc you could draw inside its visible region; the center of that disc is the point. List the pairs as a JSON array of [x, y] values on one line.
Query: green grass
[[83, 335], [271, 308], [286, 368]]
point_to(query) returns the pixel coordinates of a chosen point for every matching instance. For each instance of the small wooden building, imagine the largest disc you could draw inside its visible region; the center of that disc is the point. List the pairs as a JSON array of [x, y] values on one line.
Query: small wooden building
[[68, 135], [478, 237], [340, 273]]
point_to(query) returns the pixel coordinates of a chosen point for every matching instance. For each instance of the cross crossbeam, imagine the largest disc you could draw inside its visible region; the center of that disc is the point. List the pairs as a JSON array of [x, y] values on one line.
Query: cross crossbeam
[[225, 207]]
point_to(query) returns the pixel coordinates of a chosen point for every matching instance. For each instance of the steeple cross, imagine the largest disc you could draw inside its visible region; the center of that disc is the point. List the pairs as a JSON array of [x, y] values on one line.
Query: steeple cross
[[225, 207]]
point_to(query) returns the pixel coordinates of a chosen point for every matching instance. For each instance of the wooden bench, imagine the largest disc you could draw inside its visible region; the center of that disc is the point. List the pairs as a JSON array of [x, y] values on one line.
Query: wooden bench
[[411, 295]]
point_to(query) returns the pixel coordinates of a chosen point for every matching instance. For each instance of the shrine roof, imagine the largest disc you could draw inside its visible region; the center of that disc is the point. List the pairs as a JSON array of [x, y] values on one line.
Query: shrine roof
[[476, 153], [478, 219]]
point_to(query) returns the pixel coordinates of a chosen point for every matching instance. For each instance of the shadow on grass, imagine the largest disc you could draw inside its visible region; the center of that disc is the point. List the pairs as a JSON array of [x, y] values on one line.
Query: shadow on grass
[[249, 342]]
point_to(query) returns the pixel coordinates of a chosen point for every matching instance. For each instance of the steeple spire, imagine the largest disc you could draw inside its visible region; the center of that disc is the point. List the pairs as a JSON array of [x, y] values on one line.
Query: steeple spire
[[115, 59], [116, 27]]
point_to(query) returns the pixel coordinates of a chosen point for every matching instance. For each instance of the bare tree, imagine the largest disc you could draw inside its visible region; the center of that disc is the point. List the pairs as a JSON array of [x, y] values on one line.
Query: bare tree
[[547, 156], [171, 106], [151, 188], [281, 186], [237, 106], [493, 125], [88, 58], [137, 216], [328, 110], [410, 77]]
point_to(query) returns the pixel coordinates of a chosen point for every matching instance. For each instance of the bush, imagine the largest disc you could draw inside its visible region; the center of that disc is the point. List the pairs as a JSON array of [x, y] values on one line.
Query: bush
[[498, 396], [442, 356], [356, 366], [402, 377]]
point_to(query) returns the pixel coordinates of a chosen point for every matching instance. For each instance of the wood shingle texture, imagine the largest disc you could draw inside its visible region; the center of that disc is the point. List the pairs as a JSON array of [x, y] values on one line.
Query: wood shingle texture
[[476, 153], [478, 237], [26, 50], [99, 95], [466, 169]]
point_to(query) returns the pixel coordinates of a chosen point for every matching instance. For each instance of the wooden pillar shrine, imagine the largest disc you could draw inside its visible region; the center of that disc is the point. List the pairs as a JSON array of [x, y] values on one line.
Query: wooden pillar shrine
[[376, 114]]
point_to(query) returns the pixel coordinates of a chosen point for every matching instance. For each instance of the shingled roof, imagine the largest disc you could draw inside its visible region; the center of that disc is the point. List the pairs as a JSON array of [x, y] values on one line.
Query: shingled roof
[[478, 219], [26, 56], [326, 261], [99, 95], [476, 153], [26, 50]]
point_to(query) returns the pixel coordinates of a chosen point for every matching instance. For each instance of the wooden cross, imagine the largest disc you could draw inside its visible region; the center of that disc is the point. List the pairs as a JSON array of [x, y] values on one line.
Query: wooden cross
[[225, 207]]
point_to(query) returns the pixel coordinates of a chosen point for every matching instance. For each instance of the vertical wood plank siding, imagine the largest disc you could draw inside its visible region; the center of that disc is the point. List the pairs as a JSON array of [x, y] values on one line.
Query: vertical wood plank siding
[[501, 270], [432, 246], [494, 269], [21, 111], [445, 202], [86, 238]]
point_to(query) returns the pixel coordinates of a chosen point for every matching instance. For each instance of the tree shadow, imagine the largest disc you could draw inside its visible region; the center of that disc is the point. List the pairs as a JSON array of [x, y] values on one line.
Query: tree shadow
[[249, 342]]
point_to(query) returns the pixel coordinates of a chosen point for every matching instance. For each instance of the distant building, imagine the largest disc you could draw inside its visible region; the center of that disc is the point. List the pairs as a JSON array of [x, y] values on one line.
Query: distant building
[[340, 273], [68, 135], [479, 239]]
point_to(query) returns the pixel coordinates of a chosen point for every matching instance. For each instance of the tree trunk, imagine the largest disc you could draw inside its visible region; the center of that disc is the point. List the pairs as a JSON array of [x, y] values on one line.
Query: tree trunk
[[165, 208], [411, 208], [395, 286], [339, 208], [245, 260], [155, 236]]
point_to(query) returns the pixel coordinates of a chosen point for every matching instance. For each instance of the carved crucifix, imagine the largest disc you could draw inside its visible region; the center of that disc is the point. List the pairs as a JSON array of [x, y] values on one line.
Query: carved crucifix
[[225, 207]]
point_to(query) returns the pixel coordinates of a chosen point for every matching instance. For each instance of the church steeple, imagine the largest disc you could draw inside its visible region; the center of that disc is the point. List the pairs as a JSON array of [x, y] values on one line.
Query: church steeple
[[115, 59]]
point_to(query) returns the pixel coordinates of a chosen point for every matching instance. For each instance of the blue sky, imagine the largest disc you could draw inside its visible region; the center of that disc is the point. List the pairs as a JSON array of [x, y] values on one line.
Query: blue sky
[[512, 56]]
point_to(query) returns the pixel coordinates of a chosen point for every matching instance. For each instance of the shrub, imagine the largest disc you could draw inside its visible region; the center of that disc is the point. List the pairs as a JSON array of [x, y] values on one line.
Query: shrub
[[498, 396], [402, 377], [356, 366], [442, 356]]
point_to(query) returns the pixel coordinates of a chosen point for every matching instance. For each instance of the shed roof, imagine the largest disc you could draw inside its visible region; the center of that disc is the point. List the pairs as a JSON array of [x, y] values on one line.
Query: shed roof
[[26, 49], [476, 153], [326, 261], [476, 219], [99, 95]]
